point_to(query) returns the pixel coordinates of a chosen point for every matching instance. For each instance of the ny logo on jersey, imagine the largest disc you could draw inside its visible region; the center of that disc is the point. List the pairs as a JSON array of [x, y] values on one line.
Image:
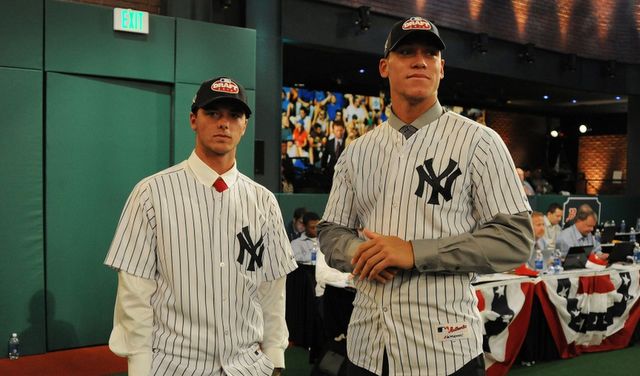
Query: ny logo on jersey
[[427, 175], [254, 250]]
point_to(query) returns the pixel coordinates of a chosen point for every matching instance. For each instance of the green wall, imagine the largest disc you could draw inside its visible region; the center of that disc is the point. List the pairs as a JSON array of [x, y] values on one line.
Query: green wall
[[94, 111], [21, 207]]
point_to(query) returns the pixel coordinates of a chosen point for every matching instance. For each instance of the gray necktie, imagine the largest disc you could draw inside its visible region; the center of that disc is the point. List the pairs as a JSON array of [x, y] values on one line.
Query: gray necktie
[[408, 130]]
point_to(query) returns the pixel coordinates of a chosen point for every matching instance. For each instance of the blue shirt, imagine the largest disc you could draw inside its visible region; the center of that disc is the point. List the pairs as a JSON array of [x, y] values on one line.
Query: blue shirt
[[302, 247], [571, 237]]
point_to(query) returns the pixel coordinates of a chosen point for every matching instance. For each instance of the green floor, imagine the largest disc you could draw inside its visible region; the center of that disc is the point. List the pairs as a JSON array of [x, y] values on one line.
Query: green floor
[[624, 362]]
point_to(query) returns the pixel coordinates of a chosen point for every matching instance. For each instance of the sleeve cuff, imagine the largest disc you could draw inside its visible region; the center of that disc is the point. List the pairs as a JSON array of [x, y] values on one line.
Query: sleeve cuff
[[139, 364], [425, 254], [275, 355]]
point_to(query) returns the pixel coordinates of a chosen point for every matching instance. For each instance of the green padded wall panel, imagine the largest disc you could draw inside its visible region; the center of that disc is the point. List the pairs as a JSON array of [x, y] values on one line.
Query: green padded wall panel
[[206, 50], [184, 137], [21, 234], [80, 39], [289, 202], [21, 33], [103, 136]]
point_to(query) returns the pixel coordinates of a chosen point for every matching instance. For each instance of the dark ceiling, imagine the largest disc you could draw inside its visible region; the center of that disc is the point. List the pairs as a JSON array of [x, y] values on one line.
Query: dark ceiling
[[347, 71]]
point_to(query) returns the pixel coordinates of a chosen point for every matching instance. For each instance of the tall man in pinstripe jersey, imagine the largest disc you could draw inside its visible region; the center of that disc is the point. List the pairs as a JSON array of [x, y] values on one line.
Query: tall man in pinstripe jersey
[[437, 199], [202, 255]]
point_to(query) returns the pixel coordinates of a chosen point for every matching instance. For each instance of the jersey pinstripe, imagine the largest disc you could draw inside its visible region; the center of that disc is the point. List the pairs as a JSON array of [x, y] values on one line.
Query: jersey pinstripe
[[378, 185], [207, 316]]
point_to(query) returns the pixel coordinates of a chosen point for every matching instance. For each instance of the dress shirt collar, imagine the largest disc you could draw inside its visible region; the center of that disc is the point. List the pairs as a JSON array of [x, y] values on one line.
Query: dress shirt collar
[[578, 235], [427, 117], [206, 175], [304, 237]]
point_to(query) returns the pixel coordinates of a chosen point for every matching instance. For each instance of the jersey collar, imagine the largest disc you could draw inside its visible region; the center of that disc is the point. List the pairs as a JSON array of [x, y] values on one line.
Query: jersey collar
[[207, 176], [427, 117]]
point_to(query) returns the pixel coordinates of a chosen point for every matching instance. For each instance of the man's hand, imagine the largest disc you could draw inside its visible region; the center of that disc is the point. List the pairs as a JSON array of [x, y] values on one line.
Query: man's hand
[[379, 257], [277, 372]]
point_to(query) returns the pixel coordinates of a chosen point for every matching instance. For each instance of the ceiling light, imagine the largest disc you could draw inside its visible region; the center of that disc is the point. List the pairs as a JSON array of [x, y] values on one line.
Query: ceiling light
[[545, 97], [574, 101], [364, 20], [527, 53], [554, 133], [610, 69], [618, 97], [582, 128], [361, 70], [481, 43]]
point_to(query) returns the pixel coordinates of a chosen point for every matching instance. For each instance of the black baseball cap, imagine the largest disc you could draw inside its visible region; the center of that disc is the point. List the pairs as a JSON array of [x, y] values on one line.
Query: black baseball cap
[[408, 26], [220, 89]]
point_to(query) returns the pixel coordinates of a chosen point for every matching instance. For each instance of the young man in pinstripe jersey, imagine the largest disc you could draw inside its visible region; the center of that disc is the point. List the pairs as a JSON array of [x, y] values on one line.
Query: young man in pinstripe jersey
[[418, 206], [202, 255]]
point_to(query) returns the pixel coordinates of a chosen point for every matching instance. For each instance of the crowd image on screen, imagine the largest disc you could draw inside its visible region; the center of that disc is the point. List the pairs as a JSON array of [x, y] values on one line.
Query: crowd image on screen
[[311, 119]]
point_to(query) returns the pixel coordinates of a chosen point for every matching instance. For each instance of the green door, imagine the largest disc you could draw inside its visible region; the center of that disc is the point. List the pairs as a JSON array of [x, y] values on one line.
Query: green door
[[102, 137]]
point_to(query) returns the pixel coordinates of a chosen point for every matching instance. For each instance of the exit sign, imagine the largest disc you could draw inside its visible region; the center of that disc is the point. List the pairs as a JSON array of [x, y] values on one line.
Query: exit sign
[[131, 21]]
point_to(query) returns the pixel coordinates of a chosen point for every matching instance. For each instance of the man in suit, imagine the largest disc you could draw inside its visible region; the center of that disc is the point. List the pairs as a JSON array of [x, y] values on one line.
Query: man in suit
[[334, 148]]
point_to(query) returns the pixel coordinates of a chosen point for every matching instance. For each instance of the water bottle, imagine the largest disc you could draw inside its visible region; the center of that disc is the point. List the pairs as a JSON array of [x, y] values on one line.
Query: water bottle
[[623, 226], [557, 261], [539, 263], [598, 235], [314, 253], [632, 235], [14, 347]]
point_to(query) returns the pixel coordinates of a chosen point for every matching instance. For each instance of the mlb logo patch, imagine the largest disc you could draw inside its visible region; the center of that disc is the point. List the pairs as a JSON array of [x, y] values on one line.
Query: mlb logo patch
[[225, 85], [452, 331]]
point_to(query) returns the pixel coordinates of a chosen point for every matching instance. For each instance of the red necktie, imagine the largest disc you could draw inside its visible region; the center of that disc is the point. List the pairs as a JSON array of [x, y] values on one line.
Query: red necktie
[[220, 185]]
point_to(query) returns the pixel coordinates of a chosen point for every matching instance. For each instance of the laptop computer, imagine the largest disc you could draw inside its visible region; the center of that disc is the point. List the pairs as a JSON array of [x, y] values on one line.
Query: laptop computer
[[619, 252], [577, 257], [608, 233]]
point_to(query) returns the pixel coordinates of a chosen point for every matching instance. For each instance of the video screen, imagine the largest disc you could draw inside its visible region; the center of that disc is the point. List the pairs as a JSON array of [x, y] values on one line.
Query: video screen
[[316, 127]]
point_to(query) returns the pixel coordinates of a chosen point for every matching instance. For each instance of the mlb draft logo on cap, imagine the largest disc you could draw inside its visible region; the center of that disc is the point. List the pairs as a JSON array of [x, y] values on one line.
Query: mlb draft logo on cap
[[416, 23], [225, 85]]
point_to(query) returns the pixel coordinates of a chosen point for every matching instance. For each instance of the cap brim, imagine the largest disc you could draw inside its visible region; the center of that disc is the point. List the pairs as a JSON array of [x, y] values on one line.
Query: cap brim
[[428, 36], [247, 110]]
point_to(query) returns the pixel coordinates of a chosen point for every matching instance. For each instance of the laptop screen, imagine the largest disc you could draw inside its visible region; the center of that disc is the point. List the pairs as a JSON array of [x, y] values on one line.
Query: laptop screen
[[576, 258], [620, 251]]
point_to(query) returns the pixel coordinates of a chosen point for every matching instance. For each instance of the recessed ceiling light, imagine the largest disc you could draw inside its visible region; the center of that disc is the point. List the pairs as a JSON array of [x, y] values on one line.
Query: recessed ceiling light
[[574, 101], [545, 97], [554, 133], [361, 70], [618, 97], [582, 128]]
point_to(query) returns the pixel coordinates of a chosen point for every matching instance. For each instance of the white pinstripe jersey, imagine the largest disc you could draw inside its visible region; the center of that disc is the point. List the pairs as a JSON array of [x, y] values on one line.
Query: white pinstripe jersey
[[378, 185], [189, 237]]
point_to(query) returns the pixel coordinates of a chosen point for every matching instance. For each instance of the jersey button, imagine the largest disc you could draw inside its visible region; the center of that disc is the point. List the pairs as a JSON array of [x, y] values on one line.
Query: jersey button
[[222, 264], [384, 309]]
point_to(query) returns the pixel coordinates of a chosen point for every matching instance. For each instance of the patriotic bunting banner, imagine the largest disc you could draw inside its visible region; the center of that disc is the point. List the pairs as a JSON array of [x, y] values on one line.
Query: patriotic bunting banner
[[505, 308], [591, 313]]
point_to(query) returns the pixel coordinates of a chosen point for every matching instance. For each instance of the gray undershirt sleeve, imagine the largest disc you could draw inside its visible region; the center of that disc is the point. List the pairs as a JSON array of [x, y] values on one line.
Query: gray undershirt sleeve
[[339, 244], [499, 245]]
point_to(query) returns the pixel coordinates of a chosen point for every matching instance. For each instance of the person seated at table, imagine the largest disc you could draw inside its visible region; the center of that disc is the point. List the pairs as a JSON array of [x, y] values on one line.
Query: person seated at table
[[537, 220], [304, 246], [552, 224], [579, 234]]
